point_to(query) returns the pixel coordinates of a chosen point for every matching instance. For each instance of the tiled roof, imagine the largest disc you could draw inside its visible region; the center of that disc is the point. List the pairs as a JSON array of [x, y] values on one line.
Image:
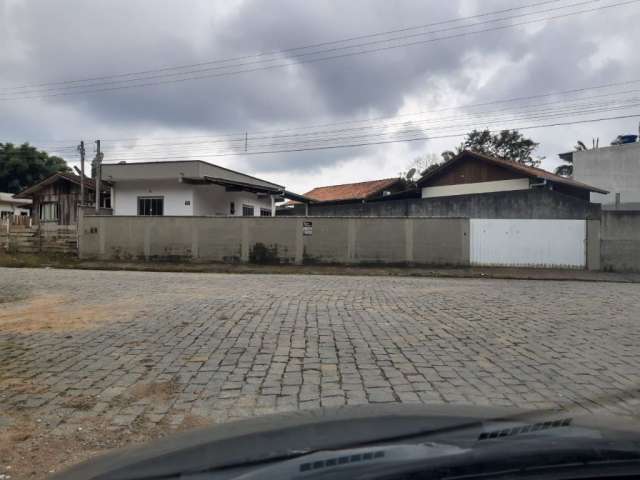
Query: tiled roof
[[350, 191], [514, 166]]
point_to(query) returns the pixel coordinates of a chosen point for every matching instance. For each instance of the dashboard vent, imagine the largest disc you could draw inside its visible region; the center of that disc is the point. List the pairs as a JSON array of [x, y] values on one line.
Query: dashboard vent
[[534, 427], [343, 460]]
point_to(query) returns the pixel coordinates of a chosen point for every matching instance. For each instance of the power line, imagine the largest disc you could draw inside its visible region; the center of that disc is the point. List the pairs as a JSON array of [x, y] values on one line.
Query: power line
[[306, 54], [423, 123], [269, 67], [363, 144], [376, 119], [287, 50]]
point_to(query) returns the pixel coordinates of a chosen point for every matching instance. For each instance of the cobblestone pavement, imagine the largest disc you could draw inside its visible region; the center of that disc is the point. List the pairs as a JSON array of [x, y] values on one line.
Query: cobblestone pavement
[[136, 348]]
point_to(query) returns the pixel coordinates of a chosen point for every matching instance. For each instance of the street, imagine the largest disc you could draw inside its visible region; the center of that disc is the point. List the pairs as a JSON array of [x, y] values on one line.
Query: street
[[99, 359]]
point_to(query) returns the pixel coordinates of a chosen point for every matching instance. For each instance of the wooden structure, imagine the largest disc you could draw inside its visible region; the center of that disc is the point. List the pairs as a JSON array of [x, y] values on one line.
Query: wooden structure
[[475, 173], [56, 199]]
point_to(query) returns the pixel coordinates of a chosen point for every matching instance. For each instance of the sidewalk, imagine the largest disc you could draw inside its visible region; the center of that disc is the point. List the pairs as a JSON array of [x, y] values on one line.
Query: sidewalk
[[512, 273]]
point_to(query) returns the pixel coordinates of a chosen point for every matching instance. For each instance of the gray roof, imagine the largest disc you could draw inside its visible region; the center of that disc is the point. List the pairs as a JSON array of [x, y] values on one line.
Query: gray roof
[[116, 172], [9, 198]]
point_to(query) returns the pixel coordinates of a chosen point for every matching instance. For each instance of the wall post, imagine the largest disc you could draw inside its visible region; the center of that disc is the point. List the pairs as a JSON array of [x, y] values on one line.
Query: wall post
[[593, 244]]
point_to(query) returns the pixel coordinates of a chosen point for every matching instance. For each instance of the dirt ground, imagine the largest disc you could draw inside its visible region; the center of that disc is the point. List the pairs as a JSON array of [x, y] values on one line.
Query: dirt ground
[[28, 451], [50, 313]]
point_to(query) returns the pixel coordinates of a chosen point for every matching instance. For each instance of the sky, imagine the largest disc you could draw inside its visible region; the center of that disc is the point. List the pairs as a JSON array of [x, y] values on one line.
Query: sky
[[432, 83]]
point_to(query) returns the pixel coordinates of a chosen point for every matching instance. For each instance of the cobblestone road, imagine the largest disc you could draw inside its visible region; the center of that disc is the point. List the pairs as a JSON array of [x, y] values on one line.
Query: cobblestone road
[[134, 348]]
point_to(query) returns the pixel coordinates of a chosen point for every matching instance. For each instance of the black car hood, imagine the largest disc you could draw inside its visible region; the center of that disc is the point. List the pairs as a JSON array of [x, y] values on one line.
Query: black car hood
[[281, 436]]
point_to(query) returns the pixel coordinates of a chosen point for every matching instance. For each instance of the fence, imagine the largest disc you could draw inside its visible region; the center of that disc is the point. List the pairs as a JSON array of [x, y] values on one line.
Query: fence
[[300, 240], [22, 237], [277, 240]]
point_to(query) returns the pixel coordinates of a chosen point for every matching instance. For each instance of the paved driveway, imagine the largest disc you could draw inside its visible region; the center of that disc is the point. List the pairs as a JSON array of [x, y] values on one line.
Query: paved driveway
[[146, 352]]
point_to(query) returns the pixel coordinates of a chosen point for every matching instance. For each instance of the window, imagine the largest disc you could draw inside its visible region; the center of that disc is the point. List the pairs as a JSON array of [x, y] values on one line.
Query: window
[[49, 212], [232, 208], [265, 212], [150, 206], [247, 211]]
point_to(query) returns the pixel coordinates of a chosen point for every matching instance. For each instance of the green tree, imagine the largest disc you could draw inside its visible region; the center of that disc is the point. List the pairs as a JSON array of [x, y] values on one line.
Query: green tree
[[24, 165], [507, 144]]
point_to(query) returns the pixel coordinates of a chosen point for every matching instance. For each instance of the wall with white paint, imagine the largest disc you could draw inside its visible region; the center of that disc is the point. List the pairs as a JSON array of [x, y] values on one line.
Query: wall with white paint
[[215, 200], [530, 243], [178, 197], [185, 199], [479, 187], [615, 168]]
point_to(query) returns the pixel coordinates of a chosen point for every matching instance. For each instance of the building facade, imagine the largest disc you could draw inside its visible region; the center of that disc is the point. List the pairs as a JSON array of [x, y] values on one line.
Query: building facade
[[616, 169], [188, 188]]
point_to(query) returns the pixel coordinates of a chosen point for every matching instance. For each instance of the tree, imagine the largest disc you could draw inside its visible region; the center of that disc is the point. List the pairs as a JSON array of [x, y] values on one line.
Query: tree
[[508, 144], [419, 166], [24, 165]]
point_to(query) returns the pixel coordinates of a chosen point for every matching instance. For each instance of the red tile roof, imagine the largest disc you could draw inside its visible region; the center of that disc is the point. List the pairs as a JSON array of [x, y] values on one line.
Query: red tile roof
[[351, 191], [514, 166]]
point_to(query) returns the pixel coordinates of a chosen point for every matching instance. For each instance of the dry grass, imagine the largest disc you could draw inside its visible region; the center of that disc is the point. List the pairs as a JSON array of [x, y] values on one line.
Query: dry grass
[[51, 312]]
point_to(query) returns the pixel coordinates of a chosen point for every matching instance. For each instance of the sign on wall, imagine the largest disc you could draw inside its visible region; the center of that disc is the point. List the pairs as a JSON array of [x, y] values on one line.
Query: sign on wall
[[307, 228]]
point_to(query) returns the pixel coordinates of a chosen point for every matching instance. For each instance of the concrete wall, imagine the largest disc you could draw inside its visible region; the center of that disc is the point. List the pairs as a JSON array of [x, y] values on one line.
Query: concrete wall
[[277, 240], [525, 204], [615, 168], [620, 240]]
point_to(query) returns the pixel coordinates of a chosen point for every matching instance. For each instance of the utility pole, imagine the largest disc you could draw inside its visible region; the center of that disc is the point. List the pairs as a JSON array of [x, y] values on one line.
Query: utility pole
[[98, 174], [246, 141], [81, 150]]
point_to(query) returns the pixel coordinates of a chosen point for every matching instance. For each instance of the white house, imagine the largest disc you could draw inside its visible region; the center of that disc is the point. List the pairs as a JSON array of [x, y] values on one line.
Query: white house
[[9, 205], [191, 188]]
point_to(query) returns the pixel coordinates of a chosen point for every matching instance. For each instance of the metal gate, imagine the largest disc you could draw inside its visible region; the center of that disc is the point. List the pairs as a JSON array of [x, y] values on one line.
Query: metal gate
[[528, 243]]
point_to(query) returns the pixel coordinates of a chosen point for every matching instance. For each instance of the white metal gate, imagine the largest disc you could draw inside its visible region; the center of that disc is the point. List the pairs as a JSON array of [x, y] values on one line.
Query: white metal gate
[[528, 243]]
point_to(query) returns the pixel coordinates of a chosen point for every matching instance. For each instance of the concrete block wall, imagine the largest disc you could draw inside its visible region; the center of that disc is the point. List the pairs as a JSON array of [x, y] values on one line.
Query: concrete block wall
[[620, 240], [277, 240], [524, 204]]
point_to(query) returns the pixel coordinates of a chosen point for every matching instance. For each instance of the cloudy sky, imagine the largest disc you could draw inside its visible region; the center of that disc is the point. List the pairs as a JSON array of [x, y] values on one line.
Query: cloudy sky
[[68, 72]]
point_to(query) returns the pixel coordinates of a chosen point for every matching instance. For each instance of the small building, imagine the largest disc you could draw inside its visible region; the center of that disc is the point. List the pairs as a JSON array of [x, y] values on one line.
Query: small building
[[56, 199], [9, 205], [615, 168], [474, 173], [346, 193], [188, 188]]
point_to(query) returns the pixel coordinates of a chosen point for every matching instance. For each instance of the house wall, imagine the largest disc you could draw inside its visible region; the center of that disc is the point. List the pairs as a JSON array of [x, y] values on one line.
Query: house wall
[[479, 187], [215, 200], [533, 203], [615, 168], [65, 194], [178, 197], [12, 208], [469, 170], [184, 199]]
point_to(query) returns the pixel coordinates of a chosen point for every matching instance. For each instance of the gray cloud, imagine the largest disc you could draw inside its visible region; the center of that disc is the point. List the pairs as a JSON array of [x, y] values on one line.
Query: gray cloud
[[52, 41]]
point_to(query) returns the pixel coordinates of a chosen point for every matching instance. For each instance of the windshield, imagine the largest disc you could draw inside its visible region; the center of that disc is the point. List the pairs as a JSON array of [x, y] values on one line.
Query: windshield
[[221, 211]]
